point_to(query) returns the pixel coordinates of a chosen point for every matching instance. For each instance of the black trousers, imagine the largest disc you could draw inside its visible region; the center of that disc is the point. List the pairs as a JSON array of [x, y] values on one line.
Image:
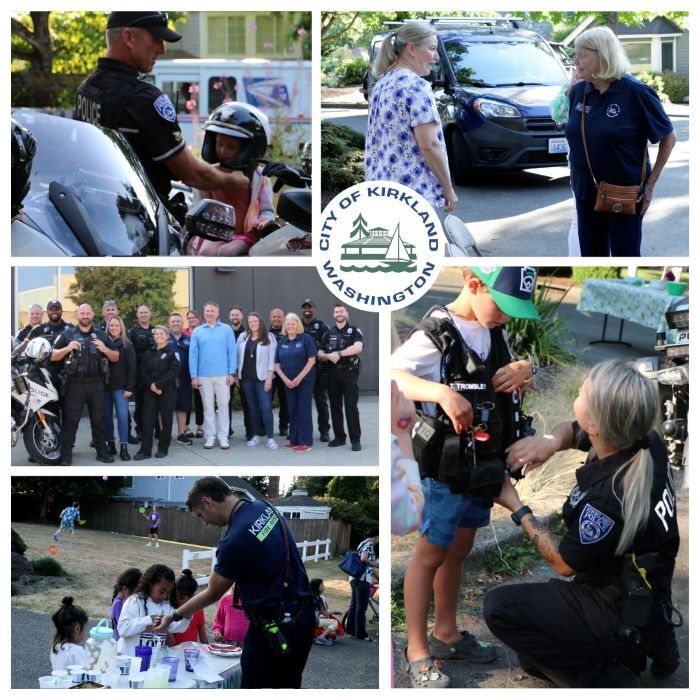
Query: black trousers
[[246, 411], [356, 623], [321, 401], [261, 667], [138, 408], [605, 235], [155, 405], [343, 392], [198, 409], [567, 632], [278, 388], [81, 392]]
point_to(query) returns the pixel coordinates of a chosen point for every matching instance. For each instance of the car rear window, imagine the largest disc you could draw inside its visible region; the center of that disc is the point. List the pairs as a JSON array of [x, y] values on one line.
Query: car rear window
[[502, 63]]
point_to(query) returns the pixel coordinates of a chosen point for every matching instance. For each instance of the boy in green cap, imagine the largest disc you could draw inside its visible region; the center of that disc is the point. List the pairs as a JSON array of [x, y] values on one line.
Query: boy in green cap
[[458, 365]]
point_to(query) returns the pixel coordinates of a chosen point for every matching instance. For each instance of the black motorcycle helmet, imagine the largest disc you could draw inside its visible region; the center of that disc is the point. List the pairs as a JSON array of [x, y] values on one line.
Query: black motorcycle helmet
[[23, 150], [241, 121]]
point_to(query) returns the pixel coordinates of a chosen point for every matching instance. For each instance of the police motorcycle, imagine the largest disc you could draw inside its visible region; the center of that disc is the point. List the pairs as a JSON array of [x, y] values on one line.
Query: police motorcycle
[[34, 401], [669, 371], [214, 220]]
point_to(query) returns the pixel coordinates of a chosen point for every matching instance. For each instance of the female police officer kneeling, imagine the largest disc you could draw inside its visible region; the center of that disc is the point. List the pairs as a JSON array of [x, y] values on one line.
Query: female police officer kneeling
[[158, 370], [621, 526]]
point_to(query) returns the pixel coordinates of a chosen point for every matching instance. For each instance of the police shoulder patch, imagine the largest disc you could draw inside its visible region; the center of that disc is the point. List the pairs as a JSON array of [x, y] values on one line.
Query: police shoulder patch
[[165, 108], [593, 525]]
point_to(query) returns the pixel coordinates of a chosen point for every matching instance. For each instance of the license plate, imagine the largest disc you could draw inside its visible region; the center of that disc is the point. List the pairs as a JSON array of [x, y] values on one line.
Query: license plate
[[558, 146]]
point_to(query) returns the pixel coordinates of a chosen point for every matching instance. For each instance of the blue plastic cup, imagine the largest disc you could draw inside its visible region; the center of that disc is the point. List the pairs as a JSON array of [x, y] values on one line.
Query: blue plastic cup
[[191, 658], [144, 653], [173, 662]]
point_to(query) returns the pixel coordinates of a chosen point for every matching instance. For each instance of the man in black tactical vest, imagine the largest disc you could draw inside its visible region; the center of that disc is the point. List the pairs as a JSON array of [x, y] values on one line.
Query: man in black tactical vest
[[86, 352], [316, 329], [114, 96], [341, 346], [141, 337]]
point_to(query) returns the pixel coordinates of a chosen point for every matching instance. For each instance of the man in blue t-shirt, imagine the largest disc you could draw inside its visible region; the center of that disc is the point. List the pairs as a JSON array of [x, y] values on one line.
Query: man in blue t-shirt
[[259, 555]]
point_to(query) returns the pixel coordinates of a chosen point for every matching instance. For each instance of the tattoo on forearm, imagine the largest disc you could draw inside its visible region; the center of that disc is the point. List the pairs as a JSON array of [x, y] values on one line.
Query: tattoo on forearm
[[547, 545]]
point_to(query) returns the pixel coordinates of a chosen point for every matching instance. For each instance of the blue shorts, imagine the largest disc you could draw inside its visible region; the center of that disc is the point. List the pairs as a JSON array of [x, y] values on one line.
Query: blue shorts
[[444, 512]]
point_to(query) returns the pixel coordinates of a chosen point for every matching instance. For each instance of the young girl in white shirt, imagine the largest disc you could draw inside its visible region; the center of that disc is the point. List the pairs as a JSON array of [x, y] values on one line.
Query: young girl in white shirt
[[153, 598], [70, 621]]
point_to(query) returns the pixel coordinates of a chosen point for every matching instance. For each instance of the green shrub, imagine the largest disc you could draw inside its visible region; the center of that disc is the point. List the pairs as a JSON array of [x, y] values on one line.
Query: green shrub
[[654, 81], [545, 340], [351, 72], [329, 66], [676, 86], [600, 273], [342, 156], [18, 544], [47, 566]]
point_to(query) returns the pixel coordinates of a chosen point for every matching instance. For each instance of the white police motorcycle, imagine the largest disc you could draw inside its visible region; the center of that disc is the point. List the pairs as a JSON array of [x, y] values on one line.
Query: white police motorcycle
[[34, 411]]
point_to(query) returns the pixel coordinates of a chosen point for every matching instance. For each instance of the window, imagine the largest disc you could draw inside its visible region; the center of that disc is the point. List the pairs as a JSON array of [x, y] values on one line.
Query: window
[[247, 34], [639, 54], [158, 478], [226, 35]]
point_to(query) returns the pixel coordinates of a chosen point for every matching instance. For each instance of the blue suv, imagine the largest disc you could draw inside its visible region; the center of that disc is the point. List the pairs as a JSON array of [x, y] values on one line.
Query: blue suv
[[493, 85]]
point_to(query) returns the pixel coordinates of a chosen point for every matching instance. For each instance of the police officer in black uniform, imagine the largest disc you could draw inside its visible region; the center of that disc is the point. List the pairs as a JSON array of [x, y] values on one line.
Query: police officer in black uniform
[[86, 353], [141, 337], [277, 329], [316, 329], [35, 314], [159, 369], [259, 554], [341, 346], [114, 96], [621, 542]]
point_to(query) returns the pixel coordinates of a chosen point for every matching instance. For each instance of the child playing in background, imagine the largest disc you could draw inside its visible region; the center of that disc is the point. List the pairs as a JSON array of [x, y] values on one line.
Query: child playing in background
[[236, 136], [185, 587], [153, 598], [230, 624], [324, 618], [123, 588], [70, 621]]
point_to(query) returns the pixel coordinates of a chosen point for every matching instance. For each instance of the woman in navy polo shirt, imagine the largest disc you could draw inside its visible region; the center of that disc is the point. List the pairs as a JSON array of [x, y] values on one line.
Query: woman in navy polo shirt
[[622, 116], [294, 363]]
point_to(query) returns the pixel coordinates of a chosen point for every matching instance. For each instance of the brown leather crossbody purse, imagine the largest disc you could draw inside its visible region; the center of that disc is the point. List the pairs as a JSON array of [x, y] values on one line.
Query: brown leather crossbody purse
[[612, 199]]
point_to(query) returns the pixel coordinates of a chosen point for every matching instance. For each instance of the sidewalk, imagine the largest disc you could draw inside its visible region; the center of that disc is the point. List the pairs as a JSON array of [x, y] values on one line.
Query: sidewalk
[[239, 454]]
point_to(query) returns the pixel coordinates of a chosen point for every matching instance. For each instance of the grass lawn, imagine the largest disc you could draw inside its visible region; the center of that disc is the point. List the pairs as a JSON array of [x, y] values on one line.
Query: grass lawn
[[96, 558]]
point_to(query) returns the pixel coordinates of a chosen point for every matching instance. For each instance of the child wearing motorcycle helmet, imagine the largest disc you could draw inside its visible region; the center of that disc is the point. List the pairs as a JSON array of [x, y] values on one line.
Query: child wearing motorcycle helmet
[[236, 136]]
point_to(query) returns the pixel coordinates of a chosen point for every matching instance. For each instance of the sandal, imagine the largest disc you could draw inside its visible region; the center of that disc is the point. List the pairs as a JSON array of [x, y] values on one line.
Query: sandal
[[188, 433], [199, 433], [425, 673]]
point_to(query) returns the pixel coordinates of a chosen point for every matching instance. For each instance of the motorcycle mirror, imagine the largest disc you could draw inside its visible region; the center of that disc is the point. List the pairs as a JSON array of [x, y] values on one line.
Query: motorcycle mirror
[[212, 220], [294, 206]]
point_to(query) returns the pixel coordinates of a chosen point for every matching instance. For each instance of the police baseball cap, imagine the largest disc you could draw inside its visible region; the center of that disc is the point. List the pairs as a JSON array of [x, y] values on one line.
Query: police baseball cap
[[155, 22], [511, 289], [308, 302], [54, 302]]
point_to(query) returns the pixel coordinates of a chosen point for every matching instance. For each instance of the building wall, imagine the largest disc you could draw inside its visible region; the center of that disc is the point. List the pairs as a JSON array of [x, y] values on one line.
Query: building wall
[[263, 288], [683, 54]]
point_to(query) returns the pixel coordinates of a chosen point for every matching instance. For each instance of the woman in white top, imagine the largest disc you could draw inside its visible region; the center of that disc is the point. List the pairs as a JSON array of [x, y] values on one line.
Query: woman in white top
[[256, 370], [70, 621]]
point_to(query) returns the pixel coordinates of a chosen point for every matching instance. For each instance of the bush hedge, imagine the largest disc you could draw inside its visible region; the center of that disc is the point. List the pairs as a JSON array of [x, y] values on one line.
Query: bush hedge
[[654, 81], [337, 72], [18, 544], [342, 156], [47, 566], [602, 273], [676, 86]]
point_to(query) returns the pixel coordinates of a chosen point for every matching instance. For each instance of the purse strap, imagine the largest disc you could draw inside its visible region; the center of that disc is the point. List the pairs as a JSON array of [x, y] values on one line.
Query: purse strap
[[585, 145]]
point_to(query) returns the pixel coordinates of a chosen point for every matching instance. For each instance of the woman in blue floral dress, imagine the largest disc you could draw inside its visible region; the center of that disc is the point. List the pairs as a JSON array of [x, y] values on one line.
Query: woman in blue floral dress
[[404, 141]]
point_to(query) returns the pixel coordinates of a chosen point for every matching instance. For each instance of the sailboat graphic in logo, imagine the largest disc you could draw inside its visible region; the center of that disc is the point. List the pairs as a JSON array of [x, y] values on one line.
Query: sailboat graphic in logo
[[386, 253]]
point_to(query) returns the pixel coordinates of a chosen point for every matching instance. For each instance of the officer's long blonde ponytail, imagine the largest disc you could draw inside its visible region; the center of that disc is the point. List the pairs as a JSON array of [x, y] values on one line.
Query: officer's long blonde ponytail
[[414, 32], [624, 405]]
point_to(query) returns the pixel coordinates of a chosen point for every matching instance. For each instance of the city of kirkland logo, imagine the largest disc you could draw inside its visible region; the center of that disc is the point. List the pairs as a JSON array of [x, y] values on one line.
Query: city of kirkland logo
[[377, 250], [262, 527], [378, 227]]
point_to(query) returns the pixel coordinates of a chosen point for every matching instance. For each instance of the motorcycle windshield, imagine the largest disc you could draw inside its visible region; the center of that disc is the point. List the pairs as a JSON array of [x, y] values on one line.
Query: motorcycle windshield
[[98, 166]]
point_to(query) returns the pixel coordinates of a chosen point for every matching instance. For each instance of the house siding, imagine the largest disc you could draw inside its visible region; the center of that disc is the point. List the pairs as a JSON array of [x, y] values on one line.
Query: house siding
[[683, 54]]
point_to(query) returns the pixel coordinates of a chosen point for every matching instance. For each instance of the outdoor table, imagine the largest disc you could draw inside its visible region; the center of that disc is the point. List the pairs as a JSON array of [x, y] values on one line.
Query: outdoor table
[[228, 667], [640, 304]]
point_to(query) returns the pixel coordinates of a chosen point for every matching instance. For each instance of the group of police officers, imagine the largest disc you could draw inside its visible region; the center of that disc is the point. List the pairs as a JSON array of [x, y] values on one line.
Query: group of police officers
[[81, 355]]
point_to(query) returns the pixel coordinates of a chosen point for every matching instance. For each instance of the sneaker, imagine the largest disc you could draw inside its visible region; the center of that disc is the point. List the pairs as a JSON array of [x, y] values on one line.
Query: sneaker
[[272, 445], [254, 441], [336, 442], [141, 455], [356, 446], [209, 444], [161, 453], [157, 545], [183, 439], [104, 457], [148, 545], [55, 538], [302, 448], [468, 648], [289, 446], [324, 642], [224, 444], [325, 437]]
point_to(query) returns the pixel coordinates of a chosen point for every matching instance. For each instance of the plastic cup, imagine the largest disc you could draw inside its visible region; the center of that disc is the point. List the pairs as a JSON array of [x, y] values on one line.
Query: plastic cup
[[93, 676], [47, 682], [172, 662], [163, 675], [77, 674], [110, 679], [64, 682], [191, 658], [144, 653], [60, 674], [138, 680], [123, 664]]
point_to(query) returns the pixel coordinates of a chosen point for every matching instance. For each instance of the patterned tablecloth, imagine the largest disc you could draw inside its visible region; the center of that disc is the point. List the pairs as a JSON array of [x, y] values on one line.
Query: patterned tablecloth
[[640, 304]]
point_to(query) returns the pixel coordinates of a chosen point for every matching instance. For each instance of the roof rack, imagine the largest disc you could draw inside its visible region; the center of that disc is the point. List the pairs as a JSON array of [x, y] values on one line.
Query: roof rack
[[464, 21]]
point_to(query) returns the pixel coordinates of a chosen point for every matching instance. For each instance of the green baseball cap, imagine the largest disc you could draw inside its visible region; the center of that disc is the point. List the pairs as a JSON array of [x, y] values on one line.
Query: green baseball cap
[[511, 289]]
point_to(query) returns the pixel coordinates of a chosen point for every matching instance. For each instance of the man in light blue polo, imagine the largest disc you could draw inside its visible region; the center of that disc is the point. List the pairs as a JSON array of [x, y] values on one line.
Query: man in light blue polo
[[213, 364]]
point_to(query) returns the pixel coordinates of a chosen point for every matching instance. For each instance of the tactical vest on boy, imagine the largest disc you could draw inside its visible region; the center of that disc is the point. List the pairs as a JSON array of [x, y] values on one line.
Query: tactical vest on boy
[[472, 462]]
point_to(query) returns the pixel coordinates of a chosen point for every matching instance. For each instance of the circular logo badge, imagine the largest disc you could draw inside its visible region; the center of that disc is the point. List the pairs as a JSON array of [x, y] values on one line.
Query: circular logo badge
[[379, 246], [613, 111]]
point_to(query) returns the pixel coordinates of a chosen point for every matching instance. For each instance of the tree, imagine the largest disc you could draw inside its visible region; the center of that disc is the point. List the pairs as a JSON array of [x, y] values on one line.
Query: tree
[[87, 489], [314, 485], [258, 482], [611, 19], [360, 228], [352, 489], [129, 287]]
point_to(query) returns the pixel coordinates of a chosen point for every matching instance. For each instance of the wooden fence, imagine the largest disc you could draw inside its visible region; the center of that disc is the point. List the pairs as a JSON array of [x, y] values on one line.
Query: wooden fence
[[181, 526]]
